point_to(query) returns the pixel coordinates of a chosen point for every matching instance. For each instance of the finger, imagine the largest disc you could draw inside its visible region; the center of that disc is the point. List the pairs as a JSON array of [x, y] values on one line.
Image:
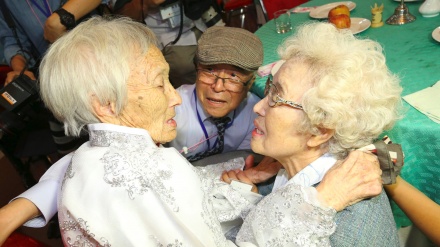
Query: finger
[[225, 178], [30, 74], [249, 162], [9, 77], [241, 176], [232, 175]]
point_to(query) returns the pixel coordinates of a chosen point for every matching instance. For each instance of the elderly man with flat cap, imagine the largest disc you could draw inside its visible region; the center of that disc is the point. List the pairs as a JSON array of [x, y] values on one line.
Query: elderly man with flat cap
[[216, 115]]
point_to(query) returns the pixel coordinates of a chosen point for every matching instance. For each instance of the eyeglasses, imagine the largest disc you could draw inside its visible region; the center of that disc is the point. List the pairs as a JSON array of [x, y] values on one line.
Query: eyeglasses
[[274, 99], [233, 83]]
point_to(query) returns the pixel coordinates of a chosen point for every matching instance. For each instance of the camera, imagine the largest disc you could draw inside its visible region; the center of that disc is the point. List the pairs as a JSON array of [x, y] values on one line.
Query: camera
[[194, 10], [19, 104]]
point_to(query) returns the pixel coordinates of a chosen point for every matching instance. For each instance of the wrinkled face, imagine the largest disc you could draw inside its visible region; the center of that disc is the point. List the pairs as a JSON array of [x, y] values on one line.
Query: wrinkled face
[[215, 99], [151, 98], [276, 128]]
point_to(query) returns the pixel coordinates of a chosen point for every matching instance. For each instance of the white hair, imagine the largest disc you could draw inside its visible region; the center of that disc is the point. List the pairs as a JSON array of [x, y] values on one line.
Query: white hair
[[92, 59], [353, 92]]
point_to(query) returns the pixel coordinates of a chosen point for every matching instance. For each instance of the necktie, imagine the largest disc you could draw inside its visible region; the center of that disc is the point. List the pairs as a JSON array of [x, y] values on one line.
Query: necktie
[[220, 123]]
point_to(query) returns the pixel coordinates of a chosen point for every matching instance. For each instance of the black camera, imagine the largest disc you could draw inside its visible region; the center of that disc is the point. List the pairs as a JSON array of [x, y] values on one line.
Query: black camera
[[19, 104], [194, 10]]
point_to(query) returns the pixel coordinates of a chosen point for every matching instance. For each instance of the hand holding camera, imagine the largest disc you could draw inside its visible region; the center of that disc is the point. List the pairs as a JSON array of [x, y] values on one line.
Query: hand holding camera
[[14, 74]]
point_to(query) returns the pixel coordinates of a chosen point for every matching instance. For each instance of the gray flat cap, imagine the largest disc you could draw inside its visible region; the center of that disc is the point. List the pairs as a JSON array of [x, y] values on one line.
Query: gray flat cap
[[230, 45]]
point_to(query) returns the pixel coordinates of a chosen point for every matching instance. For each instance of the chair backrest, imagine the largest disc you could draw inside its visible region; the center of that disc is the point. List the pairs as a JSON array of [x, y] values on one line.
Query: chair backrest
[[4, 69], [271, 6]]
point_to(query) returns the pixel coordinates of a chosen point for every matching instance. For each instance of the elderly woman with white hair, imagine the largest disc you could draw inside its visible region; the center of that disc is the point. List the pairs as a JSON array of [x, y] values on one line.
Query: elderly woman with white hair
[[333, 94]]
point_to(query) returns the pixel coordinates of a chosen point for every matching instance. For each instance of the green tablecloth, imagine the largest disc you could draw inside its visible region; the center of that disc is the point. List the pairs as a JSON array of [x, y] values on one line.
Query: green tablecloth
[[414, 55]]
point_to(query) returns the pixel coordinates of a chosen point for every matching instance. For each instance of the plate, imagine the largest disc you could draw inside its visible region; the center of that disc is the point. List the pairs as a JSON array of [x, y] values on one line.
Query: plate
[[406, 1], [436, 34], [359, 24], [321, 12]]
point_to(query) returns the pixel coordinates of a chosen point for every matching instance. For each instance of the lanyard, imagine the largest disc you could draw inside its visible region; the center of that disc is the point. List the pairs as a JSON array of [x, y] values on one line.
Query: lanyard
[[202, 125], [45, 10]]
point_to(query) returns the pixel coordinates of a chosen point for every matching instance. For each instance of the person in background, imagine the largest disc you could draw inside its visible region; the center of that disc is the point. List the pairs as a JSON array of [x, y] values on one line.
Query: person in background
[[30, 21], [127, 108], [178, 47], [39, 22], [333, 94], [420, 209]]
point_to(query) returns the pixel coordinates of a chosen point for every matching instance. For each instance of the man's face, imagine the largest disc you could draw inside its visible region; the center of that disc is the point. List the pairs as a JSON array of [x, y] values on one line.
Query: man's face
[[216, 100]]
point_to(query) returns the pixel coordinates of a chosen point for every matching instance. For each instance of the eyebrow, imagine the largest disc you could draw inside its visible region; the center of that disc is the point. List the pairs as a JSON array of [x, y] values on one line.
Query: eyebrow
[[279, 87]]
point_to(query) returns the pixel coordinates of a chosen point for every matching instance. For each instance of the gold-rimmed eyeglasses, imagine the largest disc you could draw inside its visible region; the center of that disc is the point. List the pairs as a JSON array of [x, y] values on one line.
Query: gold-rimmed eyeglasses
[[274, 99], [233, 83]]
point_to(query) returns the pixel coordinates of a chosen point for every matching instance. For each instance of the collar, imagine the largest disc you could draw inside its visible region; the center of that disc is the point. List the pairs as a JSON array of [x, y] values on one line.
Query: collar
[[310, 175], [94, 128]]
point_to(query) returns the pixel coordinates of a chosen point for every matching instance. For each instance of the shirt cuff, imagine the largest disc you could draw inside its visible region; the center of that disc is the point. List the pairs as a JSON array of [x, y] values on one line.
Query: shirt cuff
[[47, 203]]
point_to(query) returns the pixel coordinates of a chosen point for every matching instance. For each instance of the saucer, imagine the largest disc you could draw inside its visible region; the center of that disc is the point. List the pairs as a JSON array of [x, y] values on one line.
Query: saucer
[[436, 34], [321, 12], [359, 24]]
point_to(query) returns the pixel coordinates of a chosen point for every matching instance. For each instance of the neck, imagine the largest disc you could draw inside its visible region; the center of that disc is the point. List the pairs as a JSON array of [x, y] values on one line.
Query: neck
[[296, 162]]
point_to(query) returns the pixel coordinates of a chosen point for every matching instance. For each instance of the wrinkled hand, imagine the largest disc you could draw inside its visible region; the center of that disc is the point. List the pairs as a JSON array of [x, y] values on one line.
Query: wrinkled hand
[[267, 168], [13, 74], [53, 29], [239, 175], [356, 178]]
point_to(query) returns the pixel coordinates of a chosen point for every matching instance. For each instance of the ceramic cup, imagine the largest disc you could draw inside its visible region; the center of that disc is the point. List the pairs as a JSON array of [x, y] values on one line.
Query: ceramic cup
[[282, 21]]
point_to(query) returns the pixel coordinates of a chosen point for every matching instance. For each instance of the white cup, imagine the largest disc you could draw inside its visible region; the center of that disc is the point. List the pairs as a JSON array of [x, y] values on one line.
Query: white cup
[[282, 21]]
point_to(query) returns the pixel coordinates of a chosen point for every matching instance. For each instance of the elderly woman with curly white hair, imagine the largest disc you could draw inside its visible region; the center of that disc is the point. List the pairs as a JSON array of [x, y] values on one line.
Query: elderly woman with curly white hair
[[333, 94]]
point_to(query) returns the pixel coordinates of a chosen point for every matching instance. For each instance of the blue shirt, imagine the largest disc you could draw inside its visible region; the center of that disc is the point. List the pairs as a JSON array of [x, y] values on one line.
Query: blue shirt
[[29, 18], [29, 22], [189, 130]]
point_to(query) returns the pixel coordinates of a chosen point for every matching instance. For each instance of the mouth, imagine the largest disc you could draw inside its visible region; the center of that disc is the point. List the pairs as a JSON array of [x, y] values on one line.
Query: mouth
[[172, 122], [257, 130], [216, 101]]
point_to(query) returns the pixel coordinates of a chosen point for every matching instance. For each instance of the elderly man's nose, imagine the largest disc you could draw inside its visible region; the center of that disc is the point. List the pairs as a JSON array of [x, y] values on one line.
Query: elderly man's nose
[[219, 84]]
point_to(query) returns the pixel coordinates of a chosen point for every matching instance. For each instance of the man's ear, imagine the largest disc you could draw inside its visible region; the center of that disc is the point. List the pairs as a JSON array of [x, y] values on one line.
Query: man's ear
[[323, 137], [106, 113]]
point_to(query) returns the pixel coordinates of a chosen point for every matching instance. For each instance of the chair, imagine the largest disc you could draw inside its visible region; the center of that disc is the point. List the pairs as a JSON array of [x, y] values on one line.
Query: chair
[[271, 6], [4, 69], [17, 239]]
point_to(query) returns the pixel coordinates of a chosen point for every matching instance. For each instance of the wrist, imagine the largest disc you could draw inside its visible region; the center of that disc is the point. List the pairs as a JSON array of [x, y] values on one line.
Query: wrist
[[329, 199], [67, 19]]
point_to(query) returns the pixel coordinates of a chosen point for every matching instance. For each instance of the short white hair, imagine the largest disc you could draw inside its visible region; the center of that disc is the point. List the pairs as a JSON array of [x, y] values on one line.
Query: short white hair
[[92, 59], [353, 92]]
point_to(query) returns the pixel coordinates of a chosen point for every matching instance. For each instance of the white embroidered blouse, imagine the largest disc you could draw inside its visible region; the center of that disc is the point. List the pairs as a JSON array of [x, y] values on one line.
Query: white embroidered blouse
[[121, 189]]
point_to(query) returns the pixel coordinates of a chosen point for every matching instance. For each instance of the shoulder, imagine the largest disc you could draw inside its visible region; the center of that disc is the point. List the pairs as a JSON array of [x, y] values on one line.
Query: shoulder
[[366, 223], [186, 90], [252, 98], [246, 108]]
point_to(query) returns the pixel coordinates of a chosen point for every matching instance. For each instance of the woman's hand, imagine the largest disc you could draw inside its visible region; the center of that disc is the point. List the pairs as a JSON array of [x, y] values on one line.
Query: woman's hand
[[356, 178], [238, 175], [267, 168]]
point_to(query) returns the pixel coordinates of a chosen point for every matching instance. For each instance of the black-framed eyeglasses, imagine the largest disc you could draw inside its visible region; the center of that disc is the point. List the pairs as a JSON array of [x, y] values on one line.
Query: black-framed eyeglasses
[[274, 99], [233, 83]]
